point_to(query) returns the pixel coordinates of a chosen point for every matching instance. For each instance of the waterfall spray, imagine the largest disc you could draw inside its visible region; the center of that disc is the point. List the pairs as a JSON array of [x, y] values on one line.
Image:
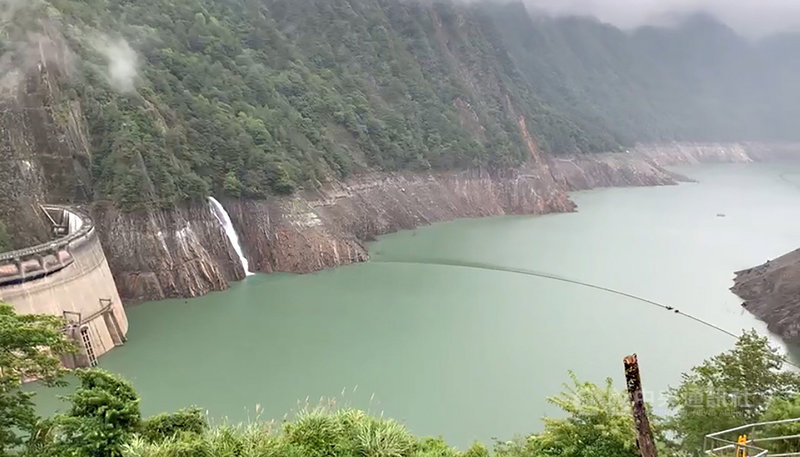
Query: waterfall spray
[[225, 220]]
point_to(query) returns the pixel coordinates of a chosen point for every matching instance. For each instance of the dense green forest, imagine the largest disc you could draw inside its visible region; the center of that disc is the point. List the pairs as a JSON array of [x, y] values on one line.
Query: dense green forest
[[257, 97], [740, 386], [254, 97], [697, 80]]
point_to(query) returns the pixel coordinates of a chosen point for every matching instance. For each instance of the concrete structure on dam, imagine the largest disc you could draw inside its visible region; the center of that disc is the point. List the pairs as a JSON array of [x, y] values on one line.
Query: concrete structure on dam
[[68, 277]]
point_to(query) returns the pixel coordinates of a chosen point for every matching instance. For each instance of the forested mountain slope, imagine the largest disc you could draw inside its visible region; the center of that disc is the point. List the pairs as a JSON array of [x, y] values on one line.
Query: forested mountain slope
[[259, 97], [697, 80]]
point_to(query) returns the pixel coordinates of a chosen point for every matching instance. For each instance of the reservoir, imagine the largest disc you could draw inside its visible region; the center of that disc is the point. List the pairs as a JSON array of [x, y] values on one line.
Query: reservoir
[[469, 353]]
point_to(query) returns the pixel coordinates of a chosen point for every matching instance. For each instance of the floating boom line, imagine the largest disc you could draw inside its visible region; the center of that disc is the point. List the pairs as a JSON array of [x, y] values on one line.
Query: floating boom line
[[545, 275]]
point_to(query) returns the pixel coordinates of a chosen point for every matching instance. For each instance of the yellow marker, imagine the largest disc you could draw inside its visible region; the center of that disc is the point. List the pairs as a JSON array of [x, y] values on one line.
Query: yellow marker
[[741, 451]]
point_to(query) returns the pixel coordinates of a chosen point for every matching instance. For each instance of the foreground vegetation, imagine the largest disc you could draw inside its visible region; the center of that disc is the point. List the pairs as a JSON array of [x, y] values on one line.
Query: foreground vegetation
[[743, 385]]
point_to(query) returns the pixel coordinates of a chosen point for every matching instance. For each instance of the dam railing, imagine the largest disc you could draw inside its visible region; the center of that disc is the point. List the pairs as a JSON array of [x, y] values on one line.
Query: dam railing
[[780, 438], [69, 226]]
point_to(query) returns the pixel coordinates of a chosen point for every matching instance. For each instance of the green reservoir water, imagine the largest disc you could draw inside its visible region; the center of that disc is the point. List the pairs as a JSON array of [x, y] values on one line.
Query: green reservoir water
[[472, 354]]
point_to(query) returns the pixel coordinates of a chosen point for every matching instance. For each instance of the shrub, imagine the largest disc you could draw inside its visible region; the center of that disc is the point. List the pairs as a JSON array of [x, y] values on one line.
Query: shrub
[[164, 426], [102, 419]]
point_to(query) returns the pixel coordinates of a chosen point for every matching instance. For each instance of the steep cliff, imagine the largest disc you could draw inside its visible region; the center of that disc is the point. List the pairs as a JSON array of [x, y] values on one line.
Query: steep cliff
[[176, 252], [44, 147], [611, 170], [328, 227], [259, 98], [772, 293]]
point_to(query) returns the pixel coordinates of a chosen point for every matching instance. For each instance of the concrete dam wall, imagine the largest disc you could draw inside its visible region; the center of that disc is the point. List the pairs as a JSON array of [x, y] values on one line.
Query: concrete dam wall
[[68, 277]]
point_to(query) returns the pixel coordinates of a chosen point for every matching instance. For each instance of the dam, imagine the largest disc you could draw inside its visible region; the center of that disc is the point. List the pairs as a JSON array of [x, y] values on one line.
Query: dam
[[68, 276]]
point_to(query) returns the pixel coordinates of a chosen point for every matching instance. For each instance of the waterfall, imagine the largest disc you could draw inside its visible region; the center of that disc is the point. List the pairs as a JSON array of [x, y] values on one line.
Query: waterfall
[[225, 220]]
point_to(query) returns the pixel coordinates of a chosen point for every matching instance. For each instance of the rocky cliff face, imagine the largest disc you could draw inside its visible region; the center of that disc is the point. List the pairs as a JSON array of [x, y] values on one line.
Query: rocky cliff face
[[328, 227], [156, 254], [611, 170], [183, 251], [693, 153], [772, 293], [43, 141]]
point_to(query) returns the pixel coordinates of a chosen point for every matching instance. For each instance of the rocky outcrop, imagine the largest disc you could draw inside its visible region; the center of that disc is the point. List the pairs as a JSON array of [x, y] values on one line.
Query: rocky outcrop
[[772, 293], [156, 254], [611, 170], [763, 152], [328, 227], [645, 164], [669, 154]]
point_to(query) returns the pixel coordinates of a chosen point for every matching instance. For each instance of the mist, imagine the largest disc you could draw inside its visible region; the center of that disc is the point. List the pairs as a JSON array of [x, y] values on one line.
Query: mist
[[752, 18], [122, 62], [35, 38]]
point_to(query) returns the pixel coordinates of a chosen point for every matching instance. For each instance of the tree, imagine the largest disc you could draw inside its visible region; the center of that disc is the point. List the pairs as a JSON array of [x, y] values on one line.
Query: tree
[[29, 349], [232, 186], [164, 426], [103, 417], [781, 409], [729, 390], [599, 424]]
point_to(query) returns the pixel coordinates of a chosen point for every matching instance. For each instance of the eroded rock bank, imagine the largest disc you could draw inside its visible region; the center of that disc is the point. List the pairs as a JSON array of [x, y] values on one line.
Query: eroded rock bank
[[184, 252], [157, 254], [668, 154], [611, 170], [328, 227], [771, 292]]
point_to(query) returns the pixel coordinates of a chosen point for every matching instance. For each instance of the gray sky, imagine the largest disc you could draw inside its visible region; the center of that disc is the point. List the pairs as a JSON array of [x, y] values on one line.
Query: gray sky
[[749, 17]]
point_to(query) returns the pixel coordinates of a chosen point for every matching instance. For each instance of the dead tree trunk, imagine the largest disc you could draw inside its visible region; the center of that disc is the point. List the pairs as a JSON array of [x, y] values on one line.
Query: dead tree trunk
[[644, 436]]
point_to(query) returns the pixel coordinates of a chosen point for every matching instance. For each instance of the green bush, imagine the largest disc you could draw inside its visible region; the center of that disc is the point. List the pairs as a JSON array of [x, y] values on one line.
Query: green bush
[[103, 417], [176, 446], [30, 346], [319, 433], [166, 425], [435, 447]]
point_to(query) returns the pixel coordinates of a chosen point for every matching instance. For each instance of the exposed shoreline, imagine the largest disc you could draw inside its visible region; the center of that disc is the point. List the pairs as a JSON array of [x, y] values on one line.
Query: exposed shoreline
[[183, 252], [771, 292]]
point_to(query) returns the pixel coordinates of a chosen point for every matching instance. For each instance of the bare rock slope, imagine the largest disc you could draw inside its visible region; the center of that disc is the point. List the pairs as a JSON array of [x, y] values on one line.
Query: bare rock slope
[[772, 293]]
